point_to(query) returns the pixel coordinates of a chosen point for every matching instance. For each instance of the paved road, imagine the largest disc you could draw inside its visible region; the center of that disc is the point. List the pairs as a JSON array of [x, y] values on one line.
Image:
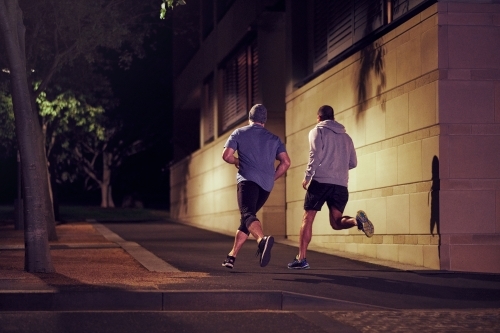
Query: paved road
[[196, 250], [335, 295]]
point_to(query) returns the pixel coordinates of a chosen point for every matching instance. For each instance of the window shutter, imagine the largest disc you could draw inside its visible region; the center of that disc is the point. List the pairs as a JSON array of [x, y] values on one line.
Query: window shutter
[[340, 26], [208, 110], [240, 85], [255, 93], [230, 93], [401, 7], [368, 17], [320, 34]]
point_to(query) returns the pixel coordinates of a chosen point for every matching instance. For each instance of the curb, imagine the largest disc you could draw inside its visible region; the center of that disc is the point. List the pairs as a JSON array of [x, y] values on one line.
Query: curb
[[183, 300], [147, 259]]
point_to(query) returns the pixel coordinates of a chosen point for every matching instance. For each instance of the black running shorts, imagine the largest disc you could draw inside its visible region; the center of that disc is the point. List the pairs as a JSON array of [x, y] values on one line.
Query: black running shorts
[[319, 193], [251, 197]]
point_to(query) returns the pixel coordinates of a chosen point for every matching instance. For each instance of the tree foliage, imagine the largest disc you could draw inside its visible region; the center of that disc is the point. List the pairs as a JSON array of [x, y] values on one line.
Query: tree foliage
[[62, 118], [7, 127], [58, 32], [169, 4]]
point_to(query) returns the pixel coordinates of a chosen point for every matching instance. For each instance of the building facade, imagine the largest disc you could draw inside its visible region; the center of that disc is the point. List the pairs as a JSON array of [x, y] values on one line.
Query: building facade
[[416, 83]]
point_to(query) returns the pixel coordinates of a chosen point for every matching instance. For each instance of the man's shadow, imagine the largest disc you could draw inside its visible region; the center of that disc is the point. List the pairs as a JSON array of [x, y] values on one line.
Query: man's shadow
[[434, 200]]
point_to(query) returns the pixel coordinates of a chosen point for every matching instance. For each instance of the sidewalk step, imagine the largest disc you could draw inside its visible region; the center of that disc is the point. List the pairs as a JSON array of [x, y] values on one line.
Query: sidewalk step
[[204, 300]]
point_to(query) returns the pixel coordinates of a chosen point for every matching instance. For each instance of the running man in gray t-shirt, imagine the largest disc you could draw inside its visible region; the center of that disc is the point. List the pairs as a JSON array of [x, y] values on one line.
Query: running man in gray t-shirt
[[257, 150]]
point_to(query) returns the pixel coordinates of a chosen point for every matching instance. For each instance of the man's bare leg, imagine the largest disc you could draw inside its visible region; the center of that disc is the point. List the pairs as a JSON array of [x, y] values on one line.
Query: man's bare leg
[[255, 229], [306, 232], [239, 239], [264, 249], [339, 222]]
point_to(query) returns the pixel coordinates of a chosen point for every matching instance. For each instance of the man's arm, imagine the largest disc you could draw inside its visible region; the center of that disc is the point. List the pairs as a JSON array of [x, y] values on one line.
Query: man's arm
[[228, 156], [353, 159], [315, 156], [284, 160]]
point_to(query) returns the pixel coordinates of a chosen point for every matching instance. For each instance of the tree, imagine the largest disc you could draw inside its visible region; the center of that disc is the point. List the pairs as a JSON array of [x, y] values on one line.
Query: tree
[[83, 140], [7, 128], [100, 153], [61, 33], [68, 111], [28, 133], [61, 117], [50, 37], [62, 113]]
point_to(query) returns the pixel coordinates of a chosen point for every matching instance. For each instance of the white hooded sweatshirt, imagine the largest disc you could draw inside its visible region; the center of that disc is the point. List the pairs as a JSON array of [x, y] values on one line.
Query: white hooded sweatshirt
[[331, 154]]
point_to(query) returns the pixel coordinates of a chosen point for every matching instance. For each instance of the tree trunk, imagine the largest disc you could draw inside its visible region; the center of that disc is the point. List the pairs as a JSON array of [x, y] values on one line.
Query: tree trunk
[[106, 190], [28, 132], [49, 200], [55, 199], [49, 203], [111, 203], [104, 195]]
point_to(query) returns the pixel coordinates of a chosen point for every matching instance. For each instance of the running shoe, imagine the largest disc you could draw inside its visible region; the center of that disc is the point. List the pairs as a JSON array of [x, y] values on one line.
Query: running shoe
[[299, 264], [364, 224], [264, 250], [229, 262]]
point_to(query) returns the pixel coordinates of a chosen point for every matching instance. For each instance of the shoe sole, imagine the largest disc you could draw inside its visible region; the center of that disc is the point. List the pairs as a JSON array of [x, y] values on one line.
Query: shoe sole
[[229, 262], [306, 267], [266, 252], [368, 228]]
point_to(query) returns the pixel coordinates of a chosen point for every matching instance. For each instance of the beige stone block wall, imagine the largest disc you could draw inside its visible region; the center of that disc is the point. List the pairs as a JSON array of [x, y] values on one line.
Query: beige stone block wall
[[203, 191], [396, 134], [470, 135]]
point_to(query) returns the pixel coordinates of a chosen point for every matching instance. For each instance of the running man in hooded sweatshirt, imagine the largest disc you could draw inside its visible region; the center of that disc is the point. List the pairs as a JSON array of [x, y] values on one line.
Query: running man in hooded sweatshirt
[[331, 156]]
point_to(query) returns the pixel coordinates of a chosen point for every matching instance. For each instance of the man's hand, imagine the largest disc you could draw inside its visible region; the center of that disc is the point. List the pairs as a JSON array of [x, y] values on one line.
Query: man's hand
[[283, 166], [228, 156], [304, 184]]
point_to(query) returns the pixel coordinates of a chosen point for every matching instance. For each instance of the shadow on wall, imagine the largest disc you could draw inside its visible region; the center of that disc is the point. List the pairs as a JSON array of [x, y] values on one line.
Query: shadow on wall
[[372, 58], [434, 199], [184, 198], [182, 203]]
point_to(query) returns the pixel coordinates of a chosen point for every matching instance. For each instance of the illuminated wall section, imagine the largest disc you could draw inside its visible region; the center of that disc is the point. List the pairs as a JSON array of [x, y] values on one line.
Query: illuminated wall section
[[391, 114], [202, 185], [426, 127]]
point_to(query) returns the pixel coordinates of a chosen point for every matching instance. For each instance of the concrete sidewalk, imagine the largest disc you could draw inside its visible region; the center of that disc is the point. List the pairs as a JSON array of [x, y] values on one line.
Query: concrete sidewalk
[[98, 270]]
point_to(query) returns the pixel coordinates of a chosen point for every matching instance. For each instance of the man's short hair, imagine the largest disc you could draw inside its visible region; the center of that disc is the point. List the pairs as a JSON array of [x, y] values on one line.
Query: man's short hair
[[258, 114], [325, 112]]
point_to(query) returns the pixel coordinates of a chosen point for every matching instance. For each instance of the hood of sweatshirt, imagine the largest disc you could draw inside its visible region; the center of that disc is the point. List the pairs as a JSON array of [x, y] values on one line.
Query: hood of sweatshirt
[[332, 125]]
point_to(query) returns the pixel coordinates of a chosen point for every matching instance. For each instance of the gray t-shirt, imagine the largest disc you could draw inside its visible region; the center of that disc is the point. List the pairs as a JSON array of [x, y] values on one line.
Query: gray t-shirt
[[257, 150]]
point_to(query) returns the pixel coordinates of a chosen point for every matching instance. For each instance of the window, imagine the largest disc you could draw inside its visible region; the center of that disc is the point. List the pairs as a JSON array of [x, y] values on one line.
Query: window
[[240, 85], [338, 25], [208, 109], [401, 7]]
